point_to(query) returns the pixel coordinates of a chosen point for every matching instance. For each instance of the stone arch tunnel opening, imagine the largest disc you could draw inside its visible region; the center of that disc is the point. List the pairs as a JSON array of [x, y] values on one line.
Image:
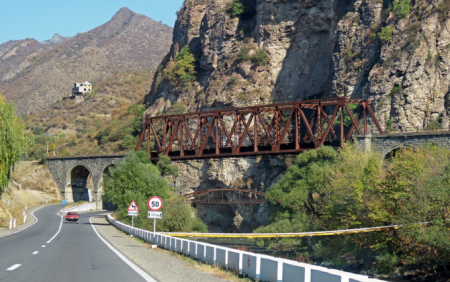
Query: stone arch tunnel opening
[[81, 184], [392, 153]]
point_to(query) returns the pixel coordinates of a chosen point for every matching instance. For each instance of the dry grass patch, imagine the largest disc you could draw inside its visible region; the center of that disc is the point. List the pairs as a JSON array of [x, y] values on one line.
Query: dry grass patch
[[213, 269]]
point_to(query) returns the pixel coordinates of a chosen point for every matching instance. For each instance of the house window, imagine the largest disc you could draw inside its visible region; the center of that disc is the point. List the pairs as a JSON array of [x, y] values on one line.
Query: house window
[[84, 89]]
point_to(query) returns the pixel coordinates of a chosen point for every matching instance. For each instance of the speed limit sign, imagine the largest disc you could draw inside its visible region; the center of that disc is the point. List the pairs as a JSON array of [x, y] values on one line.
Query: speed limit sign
[[155, 203]]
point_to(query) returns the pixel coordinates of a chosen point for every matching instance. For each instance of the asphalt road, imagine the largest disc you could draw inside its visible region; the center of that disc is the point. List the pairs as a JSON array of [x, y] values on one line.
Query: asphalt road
[[76, 253]]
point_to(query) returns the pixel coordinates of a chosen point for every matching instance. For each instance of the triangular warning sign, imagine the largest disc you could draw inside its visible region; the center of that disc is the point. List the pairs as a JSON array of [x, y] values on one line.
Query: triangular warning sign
[[133, 207]]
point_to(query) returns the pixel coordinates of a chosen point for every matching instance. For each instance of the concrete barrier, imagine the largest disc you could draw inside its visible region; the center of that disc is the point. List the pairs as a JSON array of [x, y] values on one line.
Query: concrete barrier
[[82, 208], [186, 247], [193, 249], [179, 247], [295, 272], [222, 257], [251, 265], [210, 256], [235, 261], [256, 266], [201, 252], [271, 269], [173, 244]]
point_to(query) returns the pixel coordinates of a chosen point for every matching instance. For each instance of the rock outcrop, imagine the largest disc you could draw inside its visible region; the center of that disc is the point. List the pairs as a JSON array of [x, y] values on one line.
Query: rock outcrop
[[57, 38], [248, 173], [316, 48], [319, 48]]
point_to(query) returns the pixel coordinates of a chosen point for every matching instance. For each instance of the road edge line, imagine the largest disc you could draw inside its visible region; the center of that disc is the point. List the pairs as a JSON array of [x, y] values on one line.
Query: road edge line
[[59, 230], [136, 268]]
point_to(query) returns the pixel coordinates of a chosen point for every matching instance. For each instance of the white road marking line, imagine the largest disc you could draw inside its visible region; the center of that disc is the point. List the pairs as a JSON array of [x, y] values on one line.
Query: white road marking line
[[136, 268], [35, 221], [14, 267], [35, 252], [43, 246], [59, 230]]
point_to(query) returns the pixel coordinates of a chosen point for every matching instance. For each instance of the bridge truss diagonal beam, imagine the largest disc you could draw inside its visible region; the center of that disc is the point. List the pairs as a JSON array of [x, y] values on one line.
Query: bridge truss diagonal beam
[[257, 130]]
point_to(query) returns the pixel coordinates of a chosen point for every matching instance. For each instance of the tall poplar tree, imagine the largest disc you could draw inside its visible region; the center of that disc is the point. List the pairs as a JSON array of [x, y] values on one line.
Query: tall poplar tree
[[13, 139]]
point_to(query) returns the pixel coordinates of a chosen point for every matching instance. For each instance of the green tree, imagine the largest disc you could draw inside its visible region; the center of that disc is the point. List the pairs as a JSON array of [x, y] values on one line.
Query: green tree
[[386, 33], [182, 70], [300, 194], [236, 9], [137, 111], [401, 8], [13, 139], [136, 178], [165, 167], [347, 120]]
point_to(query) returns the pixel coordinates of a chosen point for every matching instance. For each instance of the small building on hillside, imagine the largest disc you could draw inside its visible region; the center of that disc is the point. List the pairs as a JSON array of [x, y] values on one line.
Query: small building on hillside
[[80, 88]]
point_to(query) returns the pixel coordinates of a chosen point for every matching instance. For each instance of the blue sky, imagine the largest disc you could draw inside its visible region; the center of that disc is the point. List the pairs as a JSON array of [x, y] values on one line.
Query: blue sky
[[41, 19]]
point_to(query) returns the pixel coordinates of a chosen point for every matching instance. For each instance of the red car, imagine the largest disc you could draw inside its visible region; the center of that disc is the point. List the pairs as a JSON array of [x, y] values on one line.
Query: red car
[[72, 216]]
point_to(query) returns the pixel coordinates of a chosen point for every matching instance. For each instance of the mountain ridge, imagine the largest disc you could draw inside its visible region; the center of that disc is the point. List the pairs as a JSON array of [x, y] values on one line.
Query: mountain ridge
[[35, 75]]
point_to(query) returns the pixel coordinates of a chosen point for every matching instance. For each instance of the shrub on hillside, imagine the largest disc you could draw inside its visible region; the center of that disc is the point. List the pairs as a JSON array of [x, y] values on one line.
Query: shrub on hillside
[[243, 9], [386, 33], [181, 72], [259, 57], [165, 167], [235, 9], [401, 8]]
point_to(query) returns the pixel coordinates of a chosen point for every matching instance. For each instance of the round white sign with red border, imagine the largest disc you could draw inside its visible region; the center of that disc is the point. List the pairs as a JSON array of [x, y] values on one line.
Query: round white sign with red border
[[155, 203]]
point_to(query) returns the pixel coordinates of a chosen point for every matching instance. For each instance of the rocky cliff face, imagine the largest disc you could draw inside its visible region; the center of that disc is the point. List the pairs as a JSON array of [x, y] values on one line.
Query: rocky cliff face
[[316, 48], [246, 173]]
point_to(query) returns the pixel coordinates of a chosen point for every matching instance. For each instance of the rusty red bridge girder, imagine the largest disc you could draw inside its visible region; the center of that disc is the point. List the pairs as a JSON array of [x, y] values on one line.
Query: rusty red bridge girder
[[207, 197], [257, 130]]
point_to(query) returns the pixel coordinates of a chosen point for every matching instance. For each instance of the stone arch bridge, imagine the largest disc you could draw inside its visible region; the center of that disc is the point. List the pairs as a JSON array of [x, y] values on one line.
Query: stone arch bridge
[[388, 143], [81, 177]]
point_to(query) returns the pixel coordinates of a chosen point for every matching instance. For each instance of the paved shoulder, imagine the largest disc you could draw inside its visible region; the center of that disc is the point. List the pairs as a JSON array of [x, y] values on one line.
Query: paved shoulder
[[161, 266]]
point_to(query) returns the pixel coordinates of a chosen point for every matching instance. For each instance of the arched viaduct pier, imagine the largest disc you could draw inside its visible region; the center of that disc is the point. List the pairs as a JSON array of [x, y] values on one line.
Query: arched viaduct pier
[[81, 177], [387, 143]]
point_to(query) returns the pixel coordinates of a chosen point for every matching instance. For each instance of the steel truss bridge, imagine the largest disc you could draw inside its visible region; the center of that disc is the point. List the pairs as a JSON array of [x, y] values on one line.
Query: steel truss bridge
[[221, 196], [257, 130]]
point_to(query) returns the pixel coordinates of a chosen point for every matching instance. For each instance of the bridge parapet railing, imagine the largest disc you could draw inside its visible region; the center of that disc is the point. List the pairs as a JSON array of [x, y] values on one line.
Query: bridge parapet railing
[[414, 131]]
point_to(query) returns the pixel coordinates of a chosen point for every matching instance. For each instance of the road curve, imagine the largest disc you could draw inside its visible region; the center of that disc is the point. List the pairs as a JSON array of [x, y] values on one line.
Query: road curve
[[76, 253]]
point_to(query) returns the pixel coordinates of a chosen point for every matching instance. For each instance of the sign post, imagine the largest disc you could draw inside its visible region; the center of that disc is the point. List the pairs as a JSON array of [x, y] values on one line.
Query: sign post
[[155, 204], [133, 211]]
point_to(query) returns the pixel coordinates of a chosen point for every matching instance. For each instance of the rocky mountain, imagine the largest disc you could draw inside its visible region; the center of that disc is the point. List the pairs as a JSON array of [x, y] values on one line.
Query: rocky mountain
[[247, 52], [35, 75], [57, 38], [393, 52]]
